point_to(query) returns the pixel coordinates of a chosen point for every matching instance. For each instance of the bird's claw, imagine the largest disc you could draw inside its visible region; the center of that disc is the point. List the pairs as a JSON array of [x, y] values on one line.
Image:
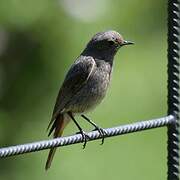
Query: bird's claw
[[85, 137], [102, 132]]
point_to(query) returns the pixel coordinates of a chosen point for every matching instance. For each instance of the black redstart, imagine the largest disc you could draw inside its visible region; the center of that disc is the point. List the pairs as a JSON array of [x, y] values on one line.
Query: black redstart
[[85, 84]]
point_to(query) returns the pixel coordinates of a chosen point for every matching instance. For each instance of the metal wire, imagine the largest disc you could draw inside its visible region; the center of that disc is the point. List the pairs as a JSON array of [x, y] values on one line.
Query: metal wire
[[173, 87], [64, 141]]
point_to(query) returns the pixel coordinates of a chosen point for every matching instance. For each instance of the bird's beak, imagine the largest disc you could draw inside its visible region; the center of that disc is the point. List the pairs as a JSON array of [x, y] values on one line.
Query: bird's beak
[[127, 43]]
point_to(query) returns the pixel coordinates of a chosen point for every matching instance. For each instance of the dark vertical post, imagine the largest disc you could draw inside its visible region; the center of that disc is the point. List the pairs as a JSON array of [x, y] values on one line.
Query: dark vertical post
[[173, 87]]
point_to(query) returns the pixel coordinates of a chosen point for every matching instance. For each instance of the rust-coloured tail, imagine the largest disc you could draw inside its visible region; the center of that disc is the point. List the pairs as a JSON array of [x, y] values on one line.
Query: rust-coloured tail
[[58, 127], [50, 158]]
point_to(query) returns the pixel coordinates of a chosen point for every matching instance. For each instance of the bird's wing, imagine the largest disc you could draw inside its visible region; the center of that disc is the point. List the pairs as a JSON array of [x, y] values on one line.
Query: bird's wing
[[76, 77]]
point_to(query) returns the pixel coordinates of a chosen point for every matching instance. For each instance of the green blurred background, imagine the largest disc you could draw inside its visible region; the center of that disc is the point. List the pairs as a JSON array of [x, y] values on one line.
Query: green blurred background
[[39, 40]]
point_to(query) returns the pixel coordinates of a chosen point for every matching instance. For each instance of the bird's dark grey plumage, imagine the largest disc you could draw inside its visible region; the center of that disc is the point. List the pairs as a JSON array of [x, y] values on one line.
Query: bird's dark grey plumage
[[86, 83]]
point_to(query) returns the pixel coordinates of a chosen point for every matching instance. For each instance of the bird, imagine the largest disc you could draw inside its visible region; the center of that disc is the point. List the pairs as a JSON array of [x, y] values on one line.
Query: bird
[[85, 85]]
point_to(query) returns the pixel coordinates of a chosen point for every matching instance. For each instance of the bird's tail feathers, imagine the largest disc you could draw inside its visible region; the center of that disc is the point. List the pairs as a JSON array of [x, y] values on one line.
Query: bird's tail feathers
[[58, 127]]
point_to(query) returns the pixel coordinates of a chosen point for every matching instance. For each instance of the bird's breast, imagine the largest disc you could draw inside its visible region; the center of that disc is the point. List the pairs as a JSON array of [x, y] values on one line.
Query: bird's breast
[[93, 91], [99, 80]]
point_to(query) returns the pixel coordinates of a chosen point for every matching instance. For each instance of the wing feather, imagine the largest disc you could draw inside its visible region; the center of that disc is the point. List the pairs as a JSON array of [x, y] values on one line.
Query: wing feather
[[76, 77]]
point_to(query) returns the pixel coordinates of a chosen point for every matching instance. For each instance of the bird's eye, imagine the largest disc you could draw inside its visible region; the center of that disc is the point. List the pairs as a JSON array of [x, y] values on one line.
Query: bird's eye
[[111, 43]]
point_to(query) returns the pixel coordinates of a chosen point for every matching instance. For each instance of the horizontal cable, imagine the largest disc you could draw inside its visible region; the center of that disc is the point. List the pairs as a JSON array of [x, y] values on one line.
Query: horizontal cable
[[63, 141]]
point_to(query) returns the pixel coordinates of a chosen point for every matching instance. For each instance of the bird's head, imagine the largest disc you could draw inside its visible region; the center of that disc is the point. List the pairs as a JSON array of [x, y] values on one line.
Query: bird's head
[[104, 45]]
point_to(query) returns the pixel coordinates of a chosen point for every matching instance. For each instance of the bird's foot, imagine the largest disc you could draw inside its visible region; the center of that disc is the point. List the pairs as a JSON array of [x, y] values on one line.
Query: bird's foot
[[102, 132], [85, 137]]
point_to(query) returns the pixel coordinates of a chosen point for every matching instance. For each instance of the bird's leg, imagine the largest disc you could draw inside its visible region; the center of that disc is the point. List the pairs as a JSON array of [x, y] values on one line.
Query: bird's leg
[[101, 131], [85, 137]]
